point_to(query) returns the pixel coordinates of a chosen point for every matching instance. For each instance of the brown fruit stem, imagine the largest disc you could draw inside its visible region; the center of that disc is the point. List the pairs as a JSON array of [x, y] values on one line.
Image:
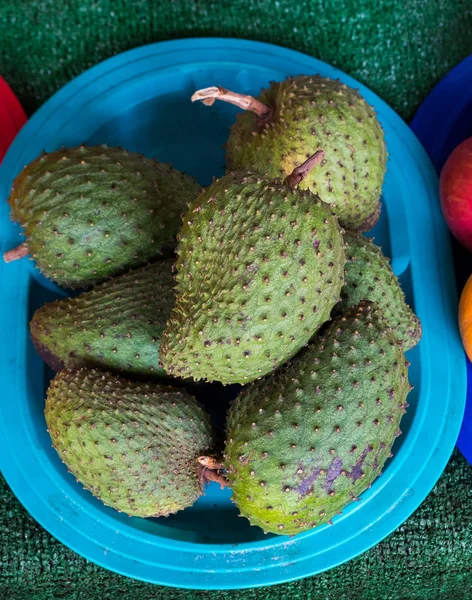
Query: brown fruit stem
[[299, 173], [16, 253], [209, 475], [210, 462], [210, 94], [209, 469]]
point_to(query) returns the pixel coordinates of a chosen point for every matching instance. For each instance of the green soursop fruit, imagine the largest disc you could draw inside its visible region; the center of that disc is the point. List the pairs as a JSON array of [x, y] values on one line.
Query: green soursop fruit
[[93, 212], [368, 276], [259, 268], [292, 119], [116, 326], [135, 446], [305, 442]]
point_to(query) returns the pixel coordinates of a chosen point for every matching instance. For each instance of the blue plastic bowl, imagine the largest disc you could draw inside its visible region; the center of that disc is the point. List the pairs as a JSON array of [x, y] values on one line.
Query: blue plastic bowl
[[442, 122], [140, 100]]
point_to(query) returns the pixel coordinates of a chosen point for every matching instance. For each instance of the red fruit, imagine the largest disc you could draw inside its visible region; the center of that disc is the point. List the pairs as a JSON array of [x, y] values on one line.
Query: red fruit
[[12, 117], [456, 193]]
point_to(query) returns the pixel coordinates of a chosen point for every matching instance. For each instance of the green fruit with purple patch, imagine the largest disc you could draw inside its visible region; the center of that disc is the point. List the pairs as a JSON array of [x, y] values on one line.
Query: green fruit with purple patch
[[304, 443]]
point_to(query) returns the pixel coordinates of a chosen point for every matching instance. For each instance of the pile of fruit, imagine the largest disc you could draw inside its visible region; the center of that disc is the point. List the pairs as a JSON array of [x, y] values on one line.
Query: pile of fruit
[[263, 279]]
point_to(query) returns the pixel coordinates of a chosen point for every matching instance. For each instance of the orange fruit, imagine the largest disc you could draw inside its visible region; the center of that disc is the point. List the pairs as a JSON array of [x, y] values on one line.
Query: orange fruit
[[465, 317]]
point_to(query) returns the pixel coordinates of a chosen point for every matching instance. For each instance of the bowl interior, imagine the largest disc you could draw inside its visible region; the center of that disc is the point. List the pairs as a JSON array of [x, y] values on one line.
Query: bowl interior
[[170, 128]]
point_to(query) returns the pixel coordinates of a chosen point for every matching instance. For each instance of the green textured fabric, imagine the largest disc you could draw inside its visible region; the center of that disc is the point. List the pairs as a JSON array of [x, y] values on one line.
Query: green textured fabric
[[400, 49]]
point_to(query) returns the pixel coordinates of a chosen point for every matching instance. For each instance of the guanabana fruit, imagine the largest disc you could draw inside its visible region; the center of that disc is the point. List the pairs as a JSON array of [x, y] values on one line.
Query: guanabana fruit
[[135, 446], [368, 276], [93, 212], [259, 268], [293, 118], [306, 441], [116, 325]]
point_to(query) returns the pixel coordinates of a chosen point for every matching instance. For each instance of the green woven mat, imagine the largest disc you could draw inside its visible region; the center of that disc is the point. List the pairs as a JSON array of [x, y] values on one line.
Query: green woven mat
[[400, 49]]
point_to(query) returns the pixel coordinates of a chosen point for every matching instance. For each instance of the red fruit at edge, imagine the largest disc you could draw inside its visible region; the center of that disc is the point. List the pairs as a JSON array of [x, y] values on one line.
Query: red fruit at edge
[[455, 186]]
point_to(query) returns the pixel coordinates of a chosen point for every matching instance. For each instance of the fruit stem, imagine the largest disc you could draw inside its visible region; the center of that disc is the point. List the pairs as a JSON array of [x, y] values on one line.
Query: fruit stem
[[299, 173], [210, 462], [209, 475], [16, 253], [209, 469], [210, 94]]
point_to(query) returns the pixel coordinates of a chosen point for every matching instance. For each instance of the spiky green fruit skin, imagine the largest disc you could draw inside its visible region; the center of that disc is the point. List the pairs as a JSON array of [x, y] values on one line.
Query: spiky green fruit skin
[[368, 276], [117, 325], [305, 442], [259, 268], [315, 113], [93, 212], [133, 445]]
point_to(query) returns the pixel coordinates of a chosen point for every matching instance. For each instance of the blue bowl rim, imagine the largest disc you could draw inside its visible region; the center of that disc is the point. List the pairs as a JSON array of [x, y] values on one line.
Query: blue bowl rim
[[443, 107]]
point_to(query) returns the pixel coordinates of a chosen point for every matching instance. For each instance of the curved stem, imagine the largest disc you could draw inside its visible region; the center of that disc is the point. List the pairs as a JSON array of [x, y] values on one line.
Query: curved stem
[[209, 475], [299, 173], [210, 462], [16, 253], [209, 469], [210, 94]]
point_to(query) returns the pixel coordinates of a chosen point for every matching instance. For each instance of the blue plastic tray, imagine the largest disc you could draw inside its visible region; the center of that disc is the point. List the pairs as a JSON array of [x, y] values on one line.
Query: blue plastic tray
[[140, 100], [442, 122]]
